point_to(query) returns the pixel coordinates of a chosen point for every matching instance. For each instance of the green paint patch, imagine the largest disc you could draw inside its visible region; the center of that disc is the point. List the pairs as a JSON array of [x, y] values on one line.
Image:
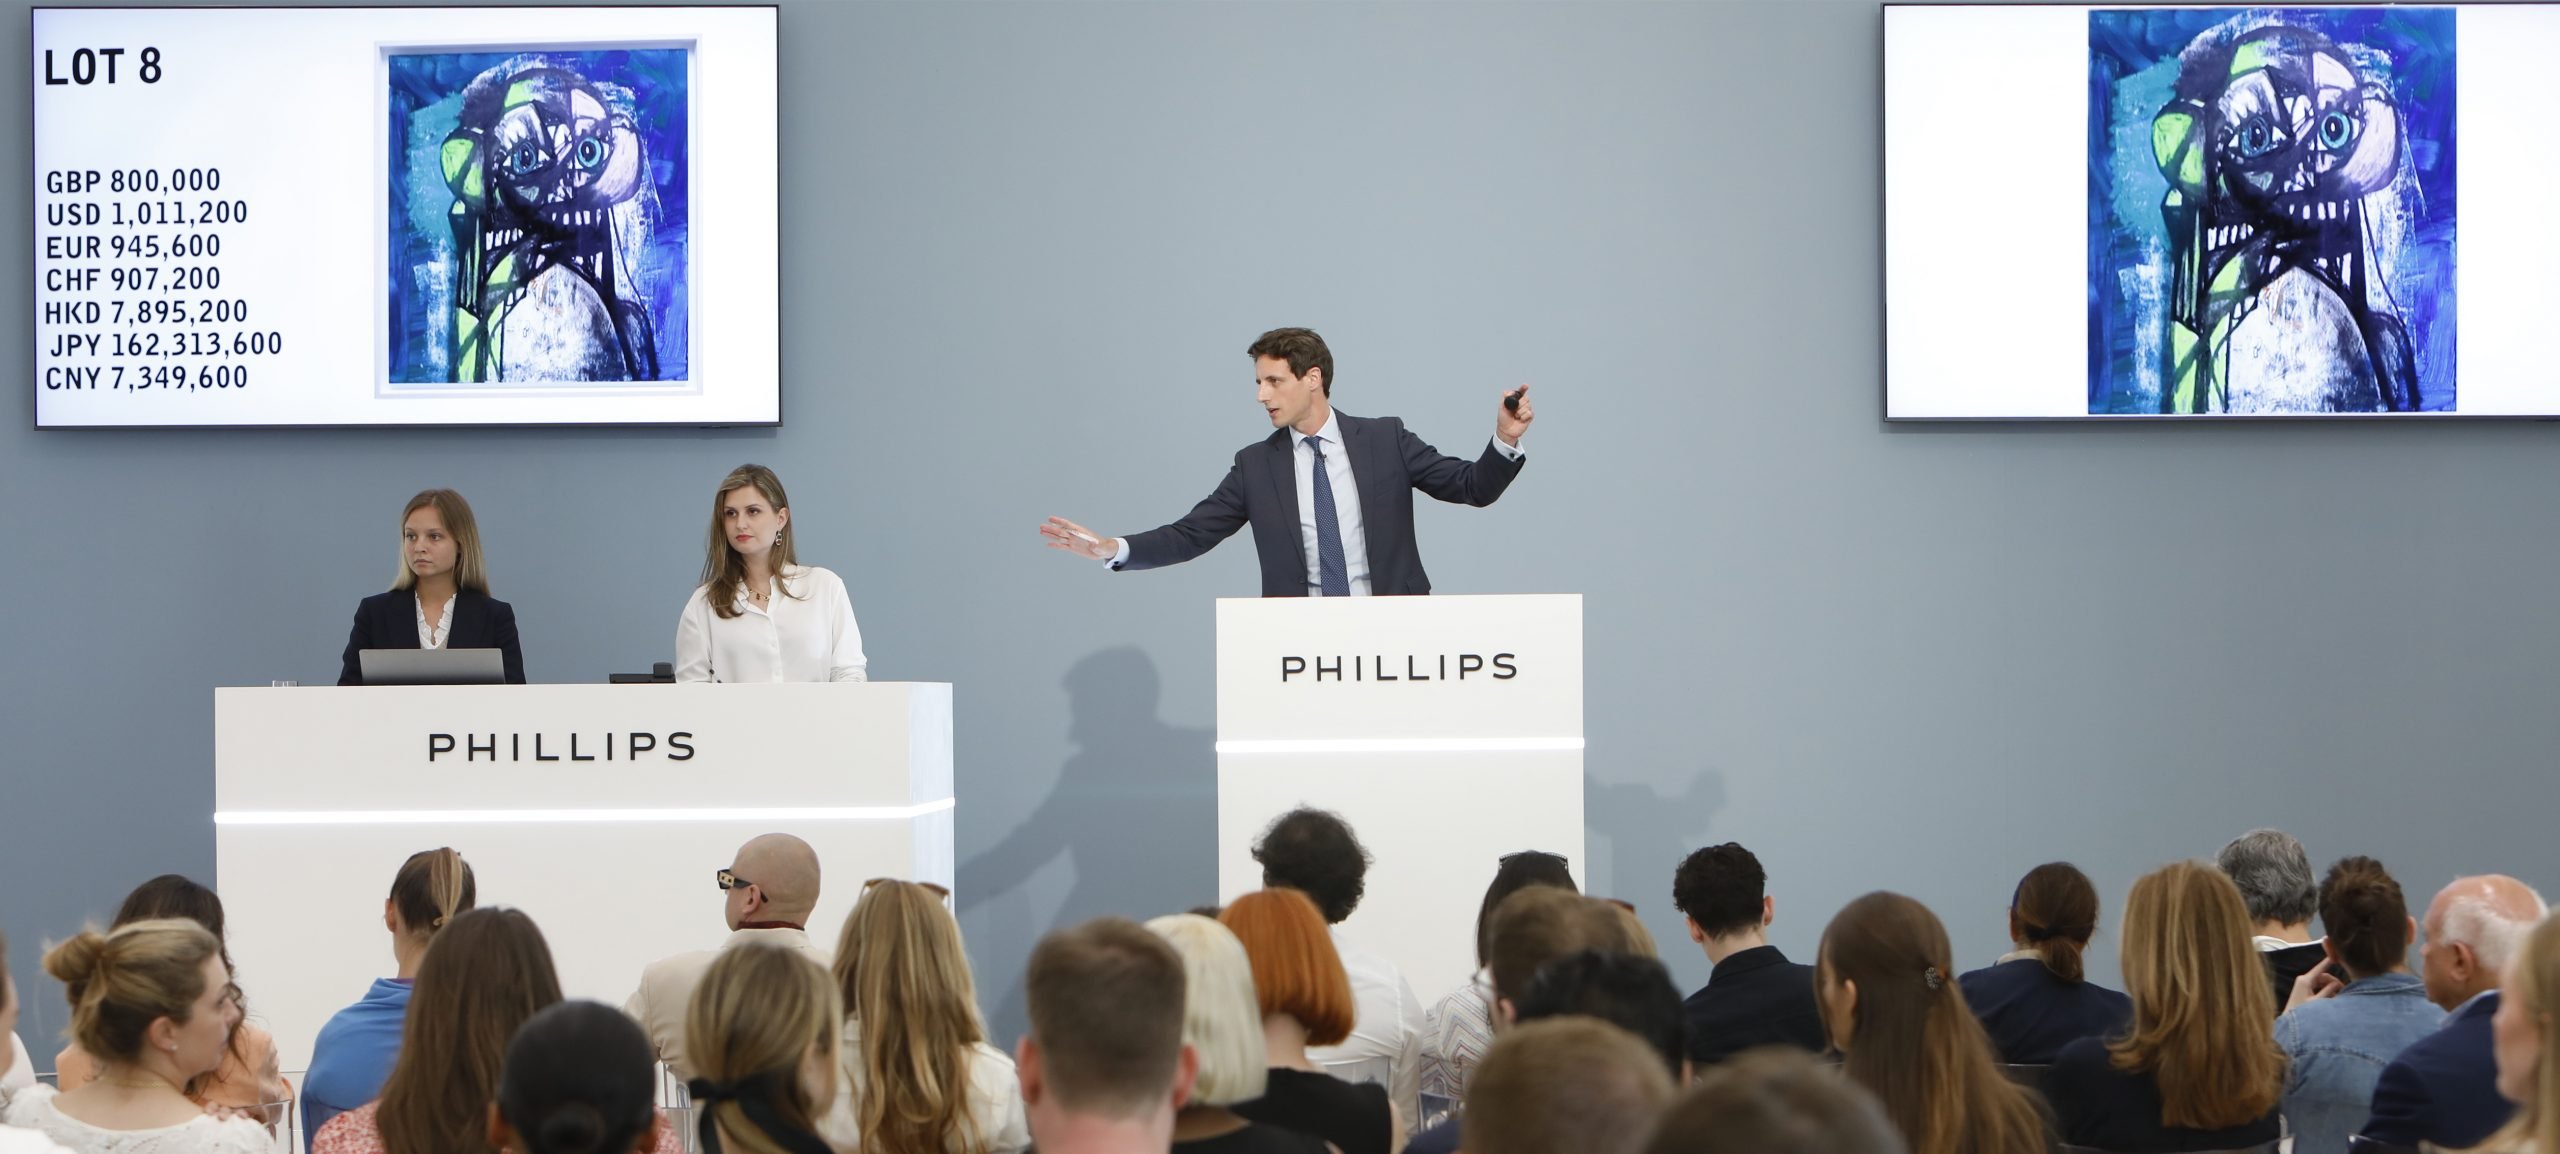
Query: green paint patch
[[2252, 56]]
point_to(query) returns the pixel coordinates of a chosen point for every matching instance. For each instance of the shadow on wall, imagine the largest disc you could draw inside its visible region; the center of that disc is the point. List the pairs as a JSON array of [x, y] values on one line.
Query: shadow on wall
[[1136, 806], [1648, 831]]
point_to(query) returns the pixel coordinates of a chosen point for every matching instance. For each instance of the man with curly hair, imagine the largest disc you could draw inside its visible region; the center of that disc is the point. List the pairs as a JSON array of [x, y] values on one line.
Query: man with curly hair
[[1754, 996], [1315, 852]]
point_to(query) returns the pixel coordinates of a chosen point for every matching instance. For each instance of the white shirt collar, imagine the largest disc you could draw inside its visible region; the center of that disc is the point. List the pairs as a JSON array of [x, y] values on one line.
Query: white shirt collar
[[2019, 956], [1331, 432], [2269, 945]]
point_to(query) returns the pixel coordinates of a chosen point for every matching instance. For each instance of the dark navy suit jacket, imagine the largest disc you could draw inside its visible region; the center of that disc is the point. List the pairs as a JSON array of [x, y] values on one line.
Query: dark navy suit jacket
[[1755, 997], [390, 621], [2444, 1088], [1387, 463], [2031, 1012]]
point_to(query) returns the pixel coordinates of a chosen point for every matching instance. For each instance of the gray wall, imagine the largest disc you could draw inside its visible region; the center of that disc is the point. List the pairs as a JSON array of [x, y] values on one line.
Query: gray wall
[[1026, 246]]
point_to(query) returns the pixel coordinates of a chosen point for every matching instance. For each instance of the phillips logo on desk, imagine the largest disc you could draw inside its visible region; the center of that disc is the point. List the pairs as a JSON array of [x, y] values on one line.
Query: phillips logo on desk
[[677, 746], [1416, 667]]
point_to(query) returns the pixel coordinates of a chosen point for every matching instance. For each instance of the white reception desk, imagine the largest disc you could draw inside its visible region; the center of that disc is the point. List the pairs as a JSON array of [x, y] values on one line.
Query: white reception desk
[[602, 811]]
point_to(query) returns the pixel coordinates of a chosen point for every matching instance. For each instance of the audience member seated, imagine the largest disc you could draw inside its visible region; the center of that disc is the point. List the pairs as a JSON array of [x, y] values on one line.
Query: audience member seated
[[2527, 1076], [247, 1078], [1306, 1002], [1889, 994], [1222, 1027], [770, 888], [152, 1005], [1630, 991], [1775, 1100], [353, 1053], [579, 1078], [1754, 996], [487, 974], [1565, 1084], [2036, 999], [926, 1080], [14, 1075], [1104, 1068], [1459, 1028], [2336, 1036], [764, 1029], [2196, 1068], [1533, 929], [20, 1072], [1315, 853], [2274, 876], [2443, 1089]]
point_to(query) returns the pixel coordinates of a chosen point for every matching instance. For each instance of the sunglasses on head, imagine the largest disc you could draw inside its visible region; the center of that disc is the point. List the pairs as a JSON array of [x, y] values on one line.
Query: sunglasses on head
[[937, 889], [731, 881]]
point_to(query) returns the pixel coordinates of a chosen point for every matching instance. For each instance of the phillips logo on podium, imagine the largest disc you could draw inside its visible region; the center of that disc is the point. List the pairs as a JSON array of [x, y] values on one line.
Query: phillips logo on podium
[[1416, 667], [677, 746]]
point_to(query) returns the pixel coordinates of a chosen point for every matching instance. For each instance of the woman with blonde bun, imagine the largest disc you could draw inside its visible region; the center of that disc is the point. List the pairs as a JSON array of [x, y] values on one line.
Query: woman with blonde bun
[[153, 1002]]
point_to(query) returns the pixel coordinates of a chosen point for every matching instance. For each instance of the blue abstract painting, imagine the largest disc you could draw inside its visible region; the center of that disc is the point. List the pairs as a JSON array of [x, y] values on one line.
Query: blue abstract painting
[[539, 227], [2271, 210]]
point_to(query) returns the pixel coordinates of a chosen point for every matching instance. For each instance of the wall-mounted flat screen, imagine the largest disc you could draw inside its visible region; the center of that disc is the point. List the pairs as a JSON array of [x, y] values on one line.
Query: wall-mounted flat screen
[[405, 216], [2112, 212]]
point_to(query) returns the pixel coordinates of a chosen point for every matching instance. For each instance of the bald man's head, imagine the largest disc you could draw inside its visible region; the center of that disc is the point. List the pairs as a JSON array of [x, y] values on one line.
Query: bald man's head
[[2474, 928], [780, 873]]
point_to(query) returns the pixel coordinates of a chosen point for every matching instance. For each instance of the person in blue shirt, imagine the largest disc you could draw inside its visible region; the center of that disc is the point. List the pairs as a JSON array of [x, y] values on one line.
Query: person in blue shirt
[[2036, 999], [352, 1056], [2340, 1034]]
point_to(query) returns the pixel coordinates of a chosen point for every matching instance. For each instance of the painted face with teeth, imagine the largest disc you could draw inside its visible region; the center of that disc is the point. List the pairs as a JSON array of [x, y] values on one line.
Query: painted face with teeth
[[2296, 133], [558, 154]]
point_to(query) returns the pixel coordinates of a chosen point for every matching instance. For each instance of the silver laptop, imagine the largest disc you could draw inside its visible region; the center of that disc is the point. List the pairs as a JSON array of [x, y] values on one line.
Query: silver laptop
[[432, 666]]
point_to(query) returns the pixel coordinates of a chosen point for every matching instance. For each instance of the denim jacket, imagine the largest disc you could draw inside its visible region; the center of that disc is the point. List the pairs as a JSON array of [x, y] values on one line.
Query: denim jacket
[[2339, 1046]]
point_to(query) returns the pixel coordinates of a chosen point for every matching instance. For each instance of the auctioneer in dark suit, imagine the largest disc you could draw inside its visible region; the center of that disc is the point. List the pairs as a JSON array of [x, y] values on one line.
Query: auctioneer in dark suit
[[1387, 462], [390, 621]]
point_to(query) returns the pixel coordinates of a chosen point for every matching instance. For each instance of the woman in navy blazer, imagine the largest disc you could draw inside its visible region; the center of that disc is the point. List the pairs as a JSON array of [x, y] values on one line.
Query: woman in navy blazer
[[2036, 999], [441, 599]]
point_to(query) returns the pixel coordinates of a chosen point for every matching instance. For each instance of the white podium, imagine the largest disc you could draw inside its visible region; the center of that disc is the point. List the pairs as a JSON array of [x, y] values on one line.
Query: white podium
[[1446, 730], [603, 811]]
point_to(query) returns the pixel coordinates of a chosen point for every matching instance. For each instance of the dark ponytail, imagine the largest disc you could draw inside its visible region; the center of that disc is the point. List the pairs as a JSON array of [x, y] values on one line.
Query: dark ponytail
[[2367, 918], [432, 887], [2054, 912]]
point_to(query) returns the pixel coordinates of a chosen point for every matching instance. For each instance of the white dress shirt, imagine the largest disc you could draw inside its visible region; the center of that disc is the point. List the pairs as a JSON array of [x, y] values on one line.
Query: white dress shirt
[[806, 634], [666, 988], [1386, 1032], [1346, 507], [432, 636]]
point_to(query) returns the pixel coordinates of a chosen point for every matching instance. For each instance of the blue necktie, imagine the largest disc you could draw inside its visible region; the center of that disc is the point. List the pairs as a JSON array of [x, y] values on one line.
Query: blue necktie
[[1333, 573]]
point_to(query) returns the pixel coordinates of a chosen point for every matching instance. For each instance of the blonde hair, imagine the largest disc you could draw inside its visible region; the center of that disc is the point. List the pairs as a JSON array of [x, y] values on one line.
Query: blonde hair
[[757, 1014], [2531, 982], [723, 570], [1221, 1018], [902, 974], [470, 571], [122, 981], [1564, 1083], [2200, 1000]]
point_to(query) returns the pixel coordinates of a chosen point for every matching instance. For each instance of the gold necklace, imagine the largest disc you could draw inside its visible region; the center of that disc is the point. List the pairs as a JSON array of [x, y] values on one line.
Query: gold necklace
[[141, 1084]]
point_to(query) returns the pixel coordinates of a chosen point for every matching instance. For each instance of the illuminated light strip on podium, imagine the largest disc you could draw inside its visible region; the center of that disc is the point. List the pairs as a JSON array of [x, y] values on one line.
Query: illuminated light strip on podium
[[580, 816], [1405, 745]]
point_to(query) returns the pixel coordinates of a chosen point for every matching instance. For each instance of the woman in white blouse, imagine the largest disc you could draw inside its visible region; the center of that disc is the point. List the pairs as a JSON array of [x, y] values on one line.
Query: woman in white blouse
[[759, 615]]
